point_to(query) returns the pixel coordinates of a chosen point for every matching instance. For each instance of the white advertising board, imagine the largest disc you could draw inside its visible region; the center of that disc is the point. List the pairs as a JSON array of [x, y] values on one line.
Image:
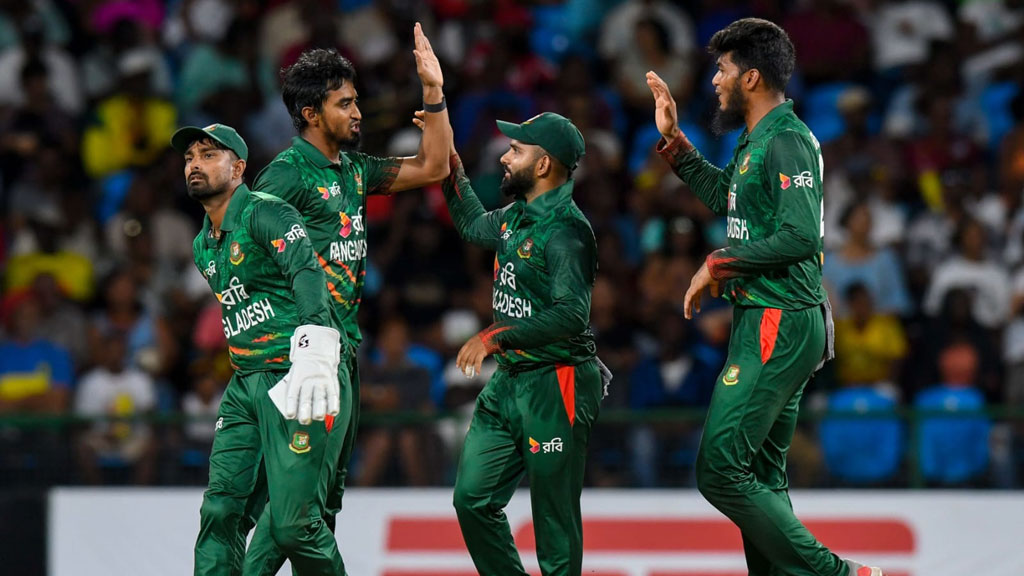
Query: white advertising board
[[104, 532]]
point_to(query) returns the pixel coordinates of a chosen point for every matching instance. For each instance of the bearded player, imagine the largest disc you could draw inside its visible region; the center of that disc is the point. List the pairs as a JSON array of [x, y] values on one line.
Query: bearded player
[[771, 193]]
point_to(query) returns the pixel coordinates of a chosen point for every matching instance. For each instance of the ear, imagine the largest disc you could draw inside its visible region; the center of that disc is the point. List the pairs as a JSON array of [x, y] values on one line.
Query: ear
[[543, 167], [237, 169], [311, 115], [751, 79]]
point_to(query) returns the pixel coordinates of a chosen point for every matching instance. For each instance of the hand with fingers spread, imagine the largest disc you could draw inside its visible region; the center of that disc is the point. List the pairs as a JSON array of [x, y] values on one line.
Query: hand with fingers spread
[[702, 279], [427, 65], [665, 114]]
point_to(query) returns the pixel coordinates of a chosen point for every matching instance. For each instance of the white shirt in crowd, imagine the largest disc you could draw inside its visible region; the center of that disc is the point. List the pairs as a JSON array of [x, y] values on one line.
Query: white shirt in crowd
[[987, 283]]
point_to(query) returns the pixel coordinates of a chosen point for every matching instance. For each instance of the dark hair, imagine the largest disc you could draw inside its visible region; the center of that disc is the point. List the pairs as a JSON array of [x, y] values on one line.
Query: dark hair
[[33, 68], [856, 289], [307, 81], [661, 34], [756, 43]]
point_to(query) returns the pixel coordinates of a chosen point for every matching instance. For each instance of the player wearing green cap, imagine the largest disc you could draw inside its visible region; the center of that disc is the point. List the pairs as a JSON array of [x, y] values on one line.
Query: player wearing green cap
[[771, 194], [254, 252], [535, 414], [326, 178]]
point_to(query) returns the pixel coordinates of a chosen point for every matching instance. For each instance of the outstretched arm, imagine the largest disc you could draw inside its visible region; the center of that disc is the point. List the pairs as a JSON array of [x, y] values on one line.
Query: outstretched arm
[[431, 161]]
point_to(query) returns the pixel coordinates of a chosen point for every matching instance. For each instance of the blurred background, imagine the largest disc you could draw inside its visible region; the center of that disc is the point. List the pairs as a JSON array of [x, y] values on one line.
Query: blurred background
[[112, 357]]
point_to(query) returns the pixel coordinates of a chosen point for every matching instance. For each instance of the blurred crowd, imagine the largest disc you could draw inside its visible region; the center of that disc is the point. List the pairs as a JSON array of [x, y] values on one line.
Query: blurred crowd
[[917, 104]]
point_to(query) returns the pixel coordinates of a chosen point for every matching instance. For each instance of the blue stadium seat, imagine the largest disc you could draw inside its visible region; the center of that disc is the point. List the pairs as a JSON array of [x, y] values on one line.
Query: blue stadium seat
[[953, 449], [859, 449]]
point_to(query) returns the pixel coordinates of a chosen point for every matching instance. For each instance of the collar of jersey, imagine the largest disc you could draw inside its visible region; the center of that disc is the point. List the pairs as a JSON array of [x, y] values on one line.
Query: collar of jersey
[[314, 155], [547, 202], [239, 198], [765, 123]]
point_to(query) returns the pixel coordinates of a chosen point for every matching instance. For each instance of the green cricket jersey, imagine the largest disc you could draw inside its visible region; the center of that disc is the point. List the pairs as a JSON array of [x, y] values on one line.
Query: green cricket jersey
[[771, 194], [265, 276], [331, 196], [544, 267]]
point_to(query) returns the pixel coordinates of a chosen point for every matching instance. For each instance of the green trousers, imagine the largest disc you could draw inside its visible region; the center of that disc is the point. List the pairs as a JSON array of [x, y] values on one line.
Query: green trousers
[[741, 464], [264, 557], [537, 423], [301, 466]]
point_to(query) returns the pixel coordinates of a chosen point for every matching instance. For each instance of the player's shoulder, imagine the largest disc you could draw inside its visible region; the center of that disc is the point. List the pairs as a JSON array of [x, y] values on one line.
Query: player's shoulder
[[792, 137]]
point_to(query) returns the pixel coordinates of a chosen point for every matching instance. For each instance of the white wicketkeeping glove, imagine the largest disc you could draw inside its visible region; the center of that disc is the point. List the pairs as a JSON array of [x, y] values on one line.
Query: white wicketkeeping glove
[[313, 379]]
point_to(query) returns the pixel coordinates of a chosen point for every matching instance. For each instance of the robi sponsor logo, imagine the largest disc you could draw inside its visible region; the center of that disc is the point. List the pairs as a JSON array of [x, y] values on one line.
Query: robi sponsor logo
[[351, 224], [349, 249]]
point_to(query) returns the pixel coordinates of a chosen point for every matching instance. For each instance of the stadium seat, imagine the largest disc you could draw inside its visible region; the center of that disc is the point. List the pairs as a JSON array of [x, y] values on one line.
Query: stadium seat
[[953, 449], [859, 449]]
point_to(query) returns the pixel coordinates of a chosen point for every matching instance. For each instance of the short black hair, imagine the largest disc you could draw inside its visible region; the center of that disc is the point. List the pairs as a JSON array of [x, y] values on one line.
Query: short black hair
[[760, 44], [307, 81]]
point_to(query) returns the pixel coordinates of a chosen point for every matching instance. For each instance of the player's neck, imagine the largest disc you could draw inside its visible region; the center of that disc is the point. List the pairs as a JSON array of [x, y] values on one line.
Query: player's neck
[[328, 147], [216, 207], [540, 188], [759, 107]]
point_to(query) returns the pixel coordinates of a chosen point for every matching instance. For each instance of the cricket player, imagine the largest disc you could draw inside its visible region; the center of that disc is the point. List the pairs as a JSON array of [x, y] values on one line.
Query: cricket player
[[255, 253], [534, 415], [771, 194], [327, 180]]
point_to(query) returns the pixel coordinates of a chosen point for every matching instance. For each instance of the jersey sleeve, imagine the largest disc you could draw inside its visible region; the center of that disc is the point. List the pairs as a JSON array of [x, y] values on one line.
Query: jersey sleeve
[[474, 224], [378, 173], [572, 259], [277, 227], [709, 182], [281, 179], [793, 173]]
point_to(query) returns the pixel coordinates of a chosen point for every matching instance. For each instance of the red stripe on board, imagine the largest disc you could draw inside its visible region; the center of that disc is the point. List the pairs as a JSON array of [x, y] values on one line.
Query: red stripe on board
[[442, 534], [688, 536], [431, 534]]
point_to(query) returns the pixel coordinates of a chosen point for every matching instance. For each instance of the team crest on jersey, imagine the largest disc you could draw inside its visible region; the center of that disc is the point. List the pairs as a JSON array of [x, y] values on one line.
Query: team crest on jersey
[[746, 164], [784, 181], [236, 255], [732, 375], [300, 443], [524, 250], [279, 244]]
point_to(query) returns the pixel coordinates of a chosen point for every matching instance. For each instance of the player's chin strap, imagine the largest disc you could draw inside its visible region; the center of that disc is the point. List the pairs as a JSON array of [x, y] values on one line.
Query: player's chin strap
[[830, 334], [606, 377]]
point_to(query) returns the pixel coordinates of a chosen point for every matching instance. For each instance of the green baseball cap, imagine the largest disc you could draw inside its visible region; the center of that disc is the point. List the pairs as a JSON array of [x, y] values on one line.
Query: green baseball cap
[[222, 133], [554, 133]]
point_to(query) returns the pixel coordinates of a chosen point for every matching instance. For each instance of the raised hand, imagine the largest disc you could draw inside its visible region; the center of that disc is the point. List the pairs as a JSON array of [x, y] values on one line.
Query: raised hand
[[427, 65], [665, 115], [417, 119]]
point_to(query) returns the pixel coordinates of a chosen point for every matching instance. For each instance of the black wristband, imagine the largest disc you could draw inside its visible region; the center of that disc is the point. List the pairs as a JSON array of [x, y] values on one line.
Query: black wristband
[[439, 107]]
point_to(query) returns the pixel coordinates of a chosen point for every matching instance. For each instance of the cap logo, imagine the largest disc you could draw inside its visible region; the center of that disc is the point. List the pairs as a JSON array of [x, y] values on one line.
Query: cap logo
[[211, 127], [530, 121]]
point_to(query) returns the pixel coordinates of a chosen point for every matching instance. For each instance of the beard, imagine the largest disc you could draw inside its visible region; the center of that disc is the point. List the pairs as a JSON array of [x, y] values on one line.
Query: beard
[[201, 189], [733, 116], [350, 144], [517, 184]]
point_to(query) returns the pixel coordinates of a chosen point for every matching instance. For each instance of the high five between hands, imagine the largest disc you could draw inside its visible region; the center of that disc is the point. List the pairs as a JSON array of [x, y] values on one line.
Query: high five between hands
[[666, 118]]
